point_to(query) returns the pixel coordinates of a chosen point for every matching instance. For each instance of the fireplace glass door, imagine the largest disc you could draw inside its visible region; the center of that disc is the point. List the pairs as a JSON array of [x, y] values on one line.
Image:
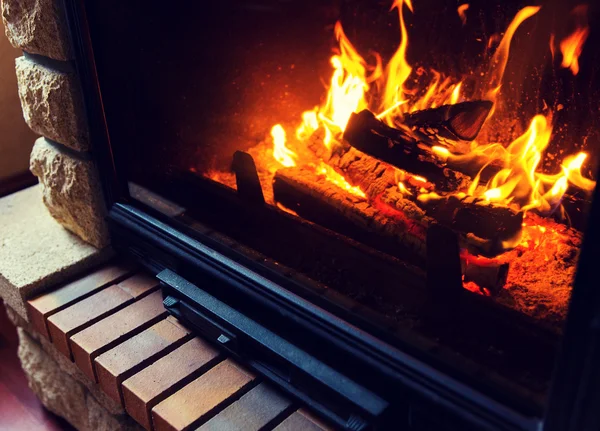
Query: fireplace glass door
[[425, 165]]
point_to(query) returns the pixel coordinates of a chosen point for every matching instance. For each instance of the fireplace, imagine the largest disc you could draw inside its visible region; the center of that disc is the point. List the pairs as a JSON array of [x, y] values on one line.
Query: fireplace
[[396, 192]]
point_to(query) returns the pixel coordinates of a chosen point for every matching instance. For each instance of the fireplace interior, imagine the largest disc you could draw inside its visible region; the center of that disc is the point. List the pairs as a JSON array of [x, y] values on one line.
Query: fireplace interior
[[422, 168]]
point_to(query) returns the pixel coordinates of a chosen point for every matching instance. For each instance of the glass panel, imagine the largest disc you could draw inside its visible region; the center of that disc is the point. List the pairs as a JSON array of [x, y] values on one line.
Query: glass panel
[[376, 124]]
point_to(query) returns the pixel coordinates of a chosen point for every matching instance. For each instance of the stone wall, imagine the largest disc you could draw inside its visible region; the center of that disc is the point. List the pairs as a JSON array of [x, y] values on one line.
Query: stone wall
[[52, 104], [38, 253]]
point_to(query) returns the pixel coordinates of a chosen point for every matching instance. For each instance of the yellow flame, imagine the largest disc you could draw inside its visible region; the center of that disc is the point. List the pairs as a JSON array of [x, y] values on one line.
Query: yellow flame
[[398, 70], [462, 9], [519, 181], [403, 189], [455, 94], [282, 154], [335, 178]]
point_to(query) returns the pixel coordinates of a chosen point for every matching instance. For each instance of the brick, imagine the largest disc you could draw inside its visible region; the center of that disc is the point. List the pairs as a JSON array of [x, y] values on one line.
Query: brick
[[44, 306], [88, 311], [138, 284], [114, 329], [258, 409], [132, 355], [170, 373], [197, 400], [84, 313], [301, 421]]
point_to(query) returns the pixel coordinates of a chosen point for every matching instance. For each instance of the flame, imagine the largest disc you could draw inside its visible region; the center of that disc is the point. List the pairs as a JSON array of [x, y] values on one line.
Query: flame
[[356, 85], [500, 58], [403, 189], [519, 180], [455, 94], [282, 154], [462, 9], [398, 70], [333, 177], [552, 47], [572, 45]]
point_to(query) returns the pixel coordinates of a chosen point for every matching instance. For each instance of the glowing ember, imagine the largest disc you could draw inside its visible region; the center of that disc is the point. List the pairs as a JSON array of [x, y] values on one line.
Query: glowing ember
[[572, 45], [282, 154], [462, 9]]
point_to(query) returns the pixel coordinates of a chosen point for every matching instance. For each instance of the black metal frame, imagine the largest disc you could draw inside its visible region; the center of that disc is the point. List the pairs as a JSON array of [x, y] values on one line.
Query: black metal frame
[[414, 388]]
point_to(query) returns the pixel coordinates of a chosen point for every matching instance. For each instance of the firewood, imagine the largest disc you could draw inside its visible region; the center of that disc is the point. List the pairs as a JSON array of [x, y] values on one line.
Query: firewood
[[454, 123], [489, 223], [472, 215], [400, 230], [400, 148]]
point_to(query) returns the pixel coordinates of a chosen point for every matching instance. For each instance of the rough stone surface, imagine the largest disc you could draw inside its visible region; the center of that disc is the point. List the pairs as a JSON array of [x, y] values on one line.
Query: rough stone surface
[[65, 364], [37, 27], [71, 191], [52, 103], [62, 394], [36, 252]]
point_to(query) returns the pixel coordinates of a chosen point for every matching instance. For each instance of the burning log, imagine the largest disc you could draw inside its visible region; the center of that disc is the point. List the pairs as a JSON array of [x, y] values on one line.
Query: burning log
[[454, 123], [400, 230], [402, 149], [489, 224], [471, 215]]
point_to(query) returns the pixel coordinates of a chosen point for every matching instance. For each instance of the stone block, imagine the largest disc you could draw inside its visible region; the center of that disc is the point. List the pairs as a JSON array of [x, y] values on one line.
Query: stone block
[[52, 103], [62, 394], [36, 252], [37, 27], [65, 364], [71, 191]]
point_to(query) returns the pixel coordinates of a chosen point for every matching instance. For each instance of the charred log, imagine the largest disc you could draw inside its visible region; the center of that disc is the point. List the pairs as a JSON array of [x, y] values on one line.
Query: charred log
[[399, 148], [400, 230], [490, 224], [472, 215], [454, 123]]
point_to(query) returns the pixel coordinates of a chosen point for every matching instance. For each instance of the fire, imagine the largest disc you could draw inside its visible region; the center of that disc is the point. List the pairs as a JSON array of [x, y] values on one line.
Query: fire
[[572, 45], [391, 92], [520, 182], [333, 177], [462, 9], [500, 58], [282, 154]]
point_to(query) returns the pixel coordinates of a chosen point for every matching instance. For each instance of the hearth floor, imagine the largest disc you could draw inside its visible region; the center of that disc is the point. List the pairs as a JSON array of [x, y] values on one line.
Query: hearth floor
[[112, 324]]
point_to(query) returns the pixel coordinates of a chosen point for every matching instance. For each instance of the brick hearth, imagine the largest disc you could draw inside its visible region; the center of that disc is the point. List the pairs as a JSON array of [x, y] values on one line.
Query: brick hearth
[[147, 362]]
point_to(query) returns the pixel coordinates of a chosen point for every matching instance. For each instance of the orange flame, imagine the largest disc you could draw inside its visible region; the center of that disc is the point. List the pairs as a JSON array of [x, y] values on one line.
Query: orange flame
[[462, 9], [519, 182], [572, 45]]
